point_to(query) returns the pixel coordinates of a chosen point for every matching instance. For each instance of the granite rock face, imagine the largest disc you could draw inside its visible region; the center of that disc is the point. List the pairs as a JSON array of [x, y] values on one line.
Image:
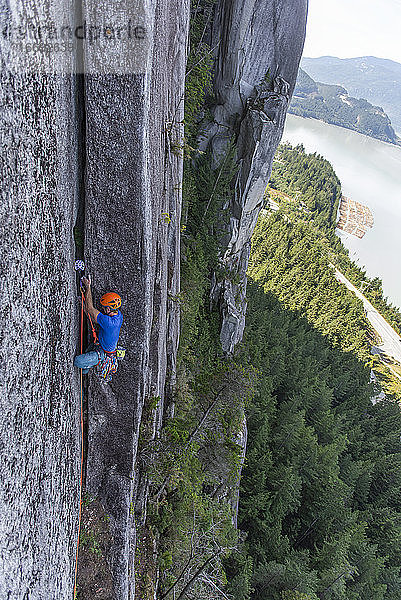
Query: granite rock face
[[40, 440], [258, 45], [132, 220]]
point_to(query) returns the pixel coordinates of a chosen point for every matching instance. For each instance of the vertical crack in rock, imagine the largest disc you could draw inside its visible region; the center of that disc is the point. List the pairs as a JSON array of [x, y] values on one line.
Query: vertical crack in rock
[[80, 119], [80, 116], [79, 227]]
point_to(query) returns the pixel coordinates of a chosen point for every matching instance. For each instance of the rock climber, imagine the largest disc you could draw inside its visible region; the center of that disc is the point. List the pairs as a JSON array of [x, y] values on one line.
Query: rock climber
[[103, 352]]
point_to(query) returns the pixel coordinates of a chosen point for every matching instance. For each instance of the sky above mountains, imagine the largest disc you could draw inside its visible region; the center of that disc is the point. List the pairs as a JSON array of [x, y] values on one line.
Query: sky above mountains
[[349, 28]]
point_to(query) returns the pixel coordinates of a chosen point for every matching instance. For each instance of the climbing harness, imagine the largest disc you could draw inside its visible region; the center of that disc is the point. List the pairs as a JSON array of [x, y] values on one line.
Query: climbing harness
[[108, 365]]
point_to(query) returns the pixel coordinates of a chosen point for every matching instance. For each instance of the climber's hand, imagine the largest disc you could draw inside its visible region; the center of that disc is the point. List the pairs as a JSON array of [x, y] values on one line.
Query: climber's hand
[[85, 283]]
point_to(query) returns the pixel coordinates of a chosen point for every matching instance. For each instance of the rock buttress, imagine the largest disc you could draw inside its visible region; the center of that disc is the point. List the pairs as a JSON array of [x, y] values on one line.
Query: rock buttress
[[258, 45], [133, 204], [40, 441]]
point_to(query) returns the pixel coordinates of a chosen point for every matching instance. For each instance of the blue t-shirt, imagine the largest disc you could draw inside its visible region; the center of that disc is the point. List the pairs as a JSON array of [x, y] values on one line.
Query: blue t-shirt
[[109, 330]]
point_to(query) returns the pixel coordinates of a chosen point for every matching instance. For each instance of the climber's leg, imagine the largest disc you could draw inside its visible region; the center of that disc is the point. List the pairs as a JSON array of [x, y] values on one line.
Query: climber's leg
[[86, 361]]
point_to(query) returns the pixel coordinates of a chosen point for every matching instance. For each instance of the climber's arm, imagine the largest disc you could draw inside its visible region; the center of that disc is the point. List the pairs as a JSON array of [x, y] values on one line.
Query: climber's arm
[[88, 299]]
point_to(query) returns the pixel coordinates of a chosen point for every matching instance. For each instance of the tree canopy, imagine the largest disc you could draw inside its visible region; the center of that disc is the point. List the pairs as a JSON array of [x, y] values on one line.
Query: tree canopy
[[321, 491]]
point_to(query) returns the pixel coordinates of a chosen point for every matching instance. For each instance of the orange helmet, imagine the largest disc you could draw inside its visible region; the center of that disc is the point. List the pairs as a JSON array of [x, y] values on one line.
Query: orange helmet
[[111, 299]]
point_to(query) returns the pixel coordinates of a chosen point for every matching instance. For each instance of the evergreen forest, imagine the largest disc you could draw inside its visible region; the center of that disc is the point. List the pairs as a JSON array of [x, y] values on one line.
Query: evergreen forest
[[308, 190], [320, 493], [320, 497]]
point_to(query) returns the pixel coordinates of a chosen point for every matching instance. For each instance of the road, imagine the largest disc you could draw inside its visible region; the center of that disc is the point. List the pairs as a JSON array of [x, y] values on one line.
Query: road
[[391, 343]]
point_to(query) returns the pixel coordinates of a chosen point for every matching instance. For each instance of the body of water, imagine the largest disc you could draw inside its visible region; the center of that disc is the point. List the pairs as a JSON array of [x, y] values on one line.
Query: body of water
[[370, 173]]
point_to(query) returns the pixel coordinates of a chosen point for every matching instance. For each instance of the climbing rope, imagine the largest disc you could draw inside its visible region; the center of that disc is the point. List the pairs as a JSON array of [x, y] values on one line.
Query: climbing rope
[[95, 338], [82, 448]]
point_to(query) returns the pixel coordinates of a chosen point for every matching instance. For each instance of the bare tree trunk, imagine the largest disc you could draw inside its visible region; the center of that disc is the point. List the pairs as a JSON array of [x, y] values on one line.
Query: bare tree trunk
[[198, 572]]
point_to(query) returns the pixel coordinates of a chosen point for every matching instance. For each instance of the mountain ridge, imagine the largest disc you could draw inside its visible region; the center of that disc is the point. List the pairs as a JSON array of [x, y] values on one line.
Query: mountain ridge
[[333, 104], [380, 85]]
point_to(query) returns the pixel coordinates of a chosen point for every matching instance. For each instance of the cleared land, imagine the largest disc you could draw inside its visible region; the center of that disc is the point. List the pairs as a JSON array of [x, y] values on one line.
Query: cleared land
[[355, 218]]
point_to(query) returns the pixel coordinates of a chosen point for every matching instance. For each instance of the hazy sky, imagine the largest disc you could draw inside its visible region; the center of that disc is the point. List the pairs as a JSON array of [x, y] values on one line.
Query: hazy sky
[[349, 28]]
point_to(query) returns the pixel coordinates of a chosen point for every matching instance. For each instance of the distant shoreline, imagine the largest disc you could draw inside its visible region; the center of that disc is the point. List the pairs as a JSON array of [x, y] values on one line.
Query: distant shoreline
[[364, 166], [369, 137]]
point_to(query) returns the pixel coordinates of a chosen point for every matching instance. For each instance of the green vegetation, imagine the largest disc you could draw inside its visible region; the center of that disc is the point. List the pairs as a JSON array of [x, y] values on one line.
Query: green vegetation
[[89, 540], [94, 548], [197, 459], [145, 565], [311, 180], [376, 79], [198, 79], [292, 262], [314, 191], [320, 494], [332, 104], [305, 85], [193, 468], [372, 288], [321, 491]]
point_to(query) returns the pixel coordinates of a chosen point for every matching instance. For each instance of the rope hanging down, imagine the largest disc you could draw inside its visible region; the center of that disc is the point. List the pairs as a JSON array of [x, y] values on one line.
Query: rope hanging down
[[80, 266], [95, 338], [82, 451]]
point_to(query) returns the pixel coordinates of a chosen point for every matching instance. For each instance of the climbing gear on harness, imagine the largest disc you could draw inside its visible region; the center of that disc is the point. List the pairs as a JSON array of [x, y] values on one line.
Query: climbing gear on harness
[[120, 352], [109, 365], [111, 299]]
